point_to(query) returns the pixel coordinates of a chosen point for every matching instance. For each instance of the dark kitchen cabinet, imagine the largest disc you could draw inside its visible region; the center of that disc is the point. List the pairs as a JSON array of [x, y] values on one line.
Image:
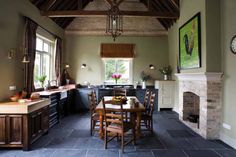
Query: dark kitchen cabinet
[[23, 129]]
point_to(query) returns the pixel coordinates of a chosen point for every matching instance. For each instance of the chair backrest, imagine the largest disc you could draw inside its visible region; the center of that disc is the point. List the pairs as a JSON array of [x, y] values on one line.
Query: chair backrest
[[151, 104], [114, 116], [92, 101], [119, 91], [94, 96], [146, 97]]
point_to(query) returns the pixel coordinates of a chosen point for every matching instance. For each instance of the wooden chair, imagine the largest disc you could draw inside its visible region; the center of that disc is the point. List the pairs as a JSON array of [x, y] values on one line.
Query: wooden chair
[[116, 126], [94, 117], [119, 92], [146, 98], [147, 117]]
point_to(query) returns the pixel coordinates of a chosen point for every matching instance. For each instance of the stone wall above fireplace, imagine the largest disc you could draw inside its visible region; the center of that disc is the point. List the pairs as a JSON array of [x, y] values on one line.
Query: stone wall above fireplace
[[208, 87]]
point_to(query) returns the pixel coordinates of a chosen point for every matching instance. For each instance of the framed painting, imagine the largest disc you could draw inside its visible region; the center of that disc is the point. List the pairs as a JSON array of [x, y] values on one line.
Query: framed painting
[[190, 43]]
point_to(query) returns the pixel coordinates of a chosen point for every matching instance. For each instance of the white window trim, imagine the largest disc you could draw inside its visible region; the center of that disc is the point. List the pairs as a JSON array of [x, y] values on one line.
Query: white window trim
[[51, 54], [130, 65]]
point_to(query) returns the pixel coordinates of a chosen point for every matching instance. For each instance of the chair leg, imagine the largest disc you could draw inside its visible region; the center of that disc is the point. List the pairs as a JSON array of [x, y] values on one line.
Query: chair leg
[[134, 136], [91, 126], [122, 143], [152, 126], [105, 139]]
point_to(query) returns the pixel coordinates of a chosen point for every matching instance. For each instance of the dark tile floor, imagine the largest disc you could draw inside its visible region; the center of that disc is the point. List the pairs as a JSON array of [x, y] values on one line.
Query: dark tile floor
[[71, 138]]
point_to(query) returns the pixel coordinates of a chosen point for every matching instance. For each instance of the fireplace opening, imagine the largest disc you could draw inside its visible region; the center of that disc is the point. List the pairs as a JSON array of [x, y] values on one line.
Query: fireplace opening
[[191, 104]]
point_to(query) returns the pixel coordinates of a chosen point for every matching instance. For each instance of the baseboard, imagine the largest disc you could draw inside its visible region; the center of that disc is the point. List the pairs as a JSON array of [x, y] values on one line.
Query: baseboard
[[228, 140]]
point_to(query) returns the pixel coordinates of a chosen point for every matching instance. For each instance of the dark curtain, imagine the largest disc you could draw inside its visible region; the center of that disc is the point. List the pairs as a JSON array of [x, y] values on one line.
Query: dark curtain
[[30, 48], [58, 59]]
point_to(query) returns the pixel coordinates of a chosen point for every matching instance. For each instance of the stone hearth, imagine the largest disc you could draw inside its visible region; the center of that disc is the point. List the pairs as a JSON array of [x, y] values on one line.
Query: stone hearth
[[208, 87]]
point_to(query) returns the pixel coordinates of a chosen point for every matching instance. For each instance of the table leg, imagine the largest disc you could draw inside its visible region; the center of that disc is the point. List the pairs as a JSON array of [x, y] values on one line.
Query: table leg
[[101, 125], [138, 128]]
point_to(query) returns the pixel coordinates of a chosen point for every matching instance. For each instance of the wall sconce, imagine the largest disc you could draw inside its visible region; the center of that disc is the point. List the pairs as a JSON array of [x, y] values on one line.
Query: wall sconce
[[151, 67], [67, 66], [11, 54], [83, 66]]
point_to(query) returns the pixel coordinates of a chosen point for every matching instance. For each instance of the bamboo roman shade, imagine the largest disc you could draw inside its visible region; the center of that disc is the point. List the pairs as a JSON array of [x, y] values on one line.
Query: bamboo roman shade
[[117, 50]]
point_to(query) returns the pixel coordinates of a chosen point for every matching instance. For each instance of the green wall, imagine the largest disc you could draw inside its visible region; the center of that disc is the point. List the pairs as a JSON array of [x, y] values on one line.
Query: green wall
[[218, 27], [86, 49], [228, 23], [11, 33]]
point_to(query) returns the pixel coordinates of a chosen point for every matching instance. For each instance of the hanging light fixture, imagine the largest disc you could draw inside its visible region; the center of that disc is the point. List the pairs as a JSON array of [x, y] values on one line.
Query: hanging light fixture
[[114, 22], [25, 58]]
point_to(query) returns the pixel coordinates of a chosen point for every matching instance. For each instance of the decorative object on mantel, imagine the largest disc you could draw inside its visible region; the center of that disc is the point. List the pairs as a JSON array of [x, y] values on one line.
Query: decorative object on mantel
[[114, 21], [144, 78], [166, 72], [190, 43], [116, 77]]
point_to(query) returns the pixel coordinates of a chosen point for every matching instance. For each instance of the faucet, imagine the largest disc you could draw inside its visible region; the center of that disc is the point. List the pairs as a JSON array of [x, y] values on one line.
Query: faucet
[[49, 83]]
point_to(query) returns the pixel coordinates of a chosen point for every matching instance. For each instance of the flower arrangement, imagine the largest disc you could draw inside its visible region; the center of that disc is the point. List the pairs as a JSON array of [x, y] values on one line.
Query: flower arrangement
[[116, 77], [145, 77], [166, 71]]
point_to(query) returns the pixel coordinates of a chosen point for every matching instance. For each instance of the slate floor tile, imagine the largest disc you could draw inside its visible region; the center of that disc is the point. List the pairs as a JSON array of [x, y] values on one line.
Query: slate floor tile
[[227, 153], [137, 153], [169, 153], [201, 143], [62, 143], [102, 153], [69, 153], [201, 153]]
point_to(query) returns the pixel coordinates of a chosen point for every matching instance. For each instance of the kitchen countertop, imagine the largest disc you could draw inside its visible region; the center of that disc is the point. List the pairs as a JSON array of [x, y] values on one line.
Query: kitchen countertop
[[58, 90], [23, 107]]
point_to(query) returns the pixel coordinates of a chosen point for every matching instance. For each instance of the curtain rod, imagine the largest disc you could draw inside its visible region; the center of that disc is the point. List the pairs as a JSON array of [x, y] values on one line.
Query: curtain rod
[[56, 36]]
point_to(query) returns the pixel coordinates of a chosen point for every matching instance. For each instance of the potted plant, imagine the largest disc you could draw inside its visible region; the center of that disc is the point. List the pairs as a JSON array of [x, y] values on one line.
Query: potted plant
[[116, 77], [41, 79], [144, 78], [166, 71]]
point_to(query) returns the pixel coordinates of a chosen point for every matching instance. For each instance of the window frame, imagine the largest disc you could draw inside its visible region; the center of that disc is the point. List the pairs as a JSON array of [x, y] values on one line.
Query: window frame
[[50, 53], [130, 69]]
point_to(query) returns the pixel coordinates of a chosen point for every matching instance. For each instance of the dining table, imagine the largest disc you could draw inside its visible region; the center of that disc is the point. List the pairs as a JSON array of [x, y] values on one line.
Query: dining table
[[132, 106]]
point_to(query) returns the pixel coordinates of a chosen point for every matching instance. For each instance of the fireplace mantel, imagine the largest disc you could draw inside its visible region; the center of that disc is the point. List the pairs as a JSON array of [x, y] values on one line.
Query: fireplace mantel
[[208, 87], [199, 76]]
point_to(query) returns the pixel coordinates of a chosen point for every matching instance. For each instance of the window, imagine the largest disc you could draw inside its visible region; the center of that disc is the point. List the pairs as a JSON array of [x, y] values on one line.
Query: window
[[118, 66], [43, 60]]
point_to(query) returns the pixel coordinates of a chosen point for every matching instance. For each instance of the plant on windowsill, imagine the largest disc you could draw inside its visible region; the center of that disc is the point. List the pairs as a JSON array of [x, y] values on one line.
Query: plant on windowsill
[[166, 72], [145, 77], [116, 77], [41, 79]]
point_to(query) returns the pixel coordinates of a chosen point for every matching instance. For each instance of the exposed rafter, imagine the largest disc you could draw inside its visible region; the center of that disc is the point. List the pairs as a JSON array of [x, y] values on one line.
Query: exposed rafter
[[64, 11], [84, 13]]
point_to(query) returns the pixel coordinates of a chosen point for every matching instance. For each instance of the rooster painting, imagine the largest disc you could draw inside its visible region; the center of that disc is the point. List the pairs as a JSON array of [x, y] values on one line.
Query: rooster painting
[[189, 41]]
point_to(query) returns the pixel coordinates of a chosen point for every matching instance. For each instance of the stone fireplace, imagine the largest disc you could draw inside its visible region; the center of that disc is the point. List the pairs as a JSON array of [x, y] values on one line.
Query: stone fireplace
[[200, 98]]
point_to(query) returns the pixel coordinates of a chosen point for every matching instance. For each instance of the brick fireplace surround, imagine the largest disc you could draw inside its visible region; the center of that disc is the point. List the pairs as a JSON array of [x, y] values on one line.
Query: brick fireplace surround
[[208, 87]]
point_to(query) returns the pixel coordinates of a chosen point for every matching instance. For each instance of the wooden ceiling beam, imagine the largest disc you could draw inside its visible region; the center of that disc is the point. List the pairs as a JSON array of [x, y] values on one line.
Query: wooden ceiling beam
[[174, 4], [48, 5], [83, 13], [109, 2]]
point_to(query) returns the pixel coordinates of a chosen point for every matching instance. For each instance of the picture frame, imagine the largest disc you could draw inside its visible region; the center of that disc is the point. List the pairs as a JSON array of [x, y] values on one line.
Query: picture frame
[[190, 43]]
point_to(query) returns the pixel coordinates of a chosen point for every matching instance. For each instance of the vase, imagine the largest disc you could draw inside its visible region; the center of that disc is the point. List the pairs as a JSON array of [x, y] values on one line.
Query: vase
[[144, 85], [165, 77]]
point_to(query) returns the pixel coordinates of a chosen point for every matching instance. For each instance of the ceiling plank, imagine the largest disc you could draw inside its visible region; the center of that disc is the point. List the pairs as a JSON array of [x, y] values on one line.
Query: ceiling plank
[[48, 5], [83, 13], [119, 2]]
